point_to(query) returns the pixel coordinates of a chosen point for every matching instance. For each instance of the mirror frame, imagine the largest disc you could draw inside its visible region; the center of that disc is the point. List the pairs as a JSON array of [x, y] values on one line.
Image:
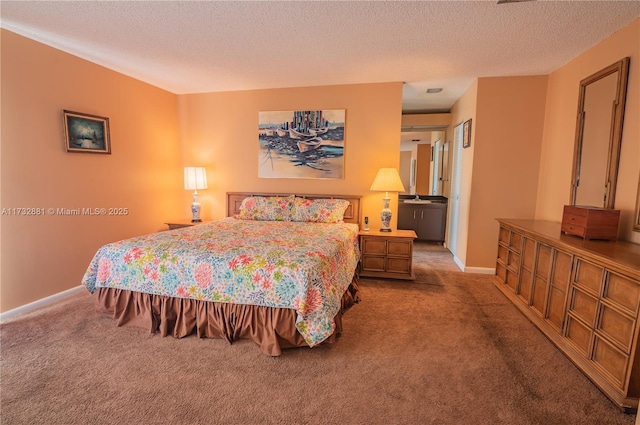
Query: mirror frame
[[636, 218], [615, 138]]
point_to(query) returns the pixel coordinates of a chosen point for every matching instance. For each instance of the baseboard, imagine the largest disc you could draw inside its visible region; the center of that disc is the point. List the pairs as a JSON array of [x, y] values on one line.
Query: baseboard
[[480, 270], [44, 302]]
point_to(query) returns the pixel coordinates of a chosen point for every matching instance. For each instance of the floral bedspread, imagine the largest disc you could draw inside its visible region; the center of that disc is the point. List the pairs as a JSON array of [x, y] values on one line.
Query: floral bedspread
[[303, 266]]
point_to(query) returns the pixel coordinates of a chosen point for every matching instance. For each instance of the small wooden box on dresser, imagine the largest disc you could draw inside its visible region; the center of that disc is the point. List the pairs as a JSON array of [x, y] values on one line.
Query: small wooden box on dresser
[[590, 222], [583, 295], [387, 254]]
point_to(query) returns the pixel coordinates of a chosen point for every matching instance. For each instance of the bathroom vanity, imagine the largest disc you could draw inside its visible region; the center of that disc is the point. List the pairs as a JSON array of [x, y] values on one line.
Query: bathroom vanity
[[426, 215]]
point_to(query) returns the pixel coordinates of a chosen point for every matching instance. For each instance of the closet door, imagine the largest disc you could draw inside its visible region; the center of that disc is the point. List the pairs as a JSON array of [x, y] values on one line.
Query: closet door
[[454, 200]]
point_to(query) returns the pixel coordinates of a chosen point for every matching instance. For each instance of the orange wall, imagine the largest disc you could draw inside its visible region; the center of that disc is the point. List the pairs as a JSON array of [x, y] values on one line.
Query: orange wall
[[506, 157], [559, 130], [500, 168], [44, 255], [219, 131]]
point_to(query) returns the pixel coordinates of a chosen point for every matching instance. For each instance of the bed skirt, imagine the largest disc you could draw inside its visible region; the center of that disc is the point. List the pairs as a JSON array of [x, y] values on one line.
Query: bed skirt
[[271, 328]]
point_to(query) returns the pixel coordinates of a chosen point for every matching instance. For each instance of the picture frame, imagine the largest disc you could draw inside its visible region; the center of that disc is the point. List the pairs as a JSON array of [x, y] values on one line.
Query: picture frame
[[300, 144], [86, 133], [466, 134]]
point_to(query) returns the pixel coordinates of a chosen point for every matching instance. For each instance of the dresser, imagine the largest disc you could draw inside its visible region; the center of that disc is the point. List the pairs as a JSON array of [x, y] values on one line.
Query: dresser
[[387, 254], [583, 295]]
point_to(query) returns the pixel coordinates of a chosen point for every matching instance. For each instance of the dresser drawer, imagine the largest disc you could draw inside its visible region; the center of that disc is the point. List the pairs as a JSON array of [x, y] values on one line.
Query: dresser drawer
[[574, 228], [623, 292], [611, 360], [516, 242], [589, 276], [503, 254], [583, 306], [617, 327], [579, 335], [575, 218]]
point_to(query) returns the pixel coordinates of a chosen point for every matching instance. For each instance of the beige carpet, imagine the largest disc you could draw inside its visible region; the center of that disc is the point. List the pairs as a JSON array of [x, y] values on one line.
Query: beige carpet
[[445, 349]]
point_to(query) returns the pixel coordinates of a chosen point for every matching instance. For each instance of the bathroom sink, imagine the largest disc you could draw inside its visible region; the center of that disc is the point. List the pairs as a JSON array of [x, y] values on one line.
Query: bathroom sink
[[417, 201]]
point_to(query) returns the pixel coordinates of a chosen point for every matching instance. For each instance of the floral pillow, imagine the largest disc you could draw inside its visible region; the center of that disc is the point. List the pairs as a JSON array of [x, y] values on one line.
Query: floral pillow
[[266, 208], [319, 210]]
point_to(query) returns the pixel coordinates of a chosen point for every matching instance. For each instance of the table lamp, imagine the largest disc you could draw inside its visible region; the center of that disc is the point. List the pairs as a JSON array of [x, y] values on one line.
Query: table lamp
[[387, 180], [195, 178]]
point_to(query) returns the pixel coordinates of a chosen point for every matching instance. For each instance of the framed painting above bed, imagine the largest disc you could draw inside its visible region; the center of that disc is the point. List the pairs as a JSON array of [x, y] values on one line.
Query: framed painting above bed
[[301, 144]]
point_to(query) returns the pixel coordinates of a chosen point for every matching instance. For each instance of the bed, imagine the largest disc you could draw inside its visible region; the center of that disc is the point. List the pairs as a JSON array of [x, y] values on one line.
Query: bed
[[280, 270]]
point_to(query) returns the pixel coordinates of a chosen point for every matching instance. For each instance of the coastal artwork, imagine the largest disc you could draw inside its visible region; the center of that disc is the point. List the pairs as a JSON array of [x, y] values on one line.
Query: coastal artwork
[[86, 133], [301, 144]]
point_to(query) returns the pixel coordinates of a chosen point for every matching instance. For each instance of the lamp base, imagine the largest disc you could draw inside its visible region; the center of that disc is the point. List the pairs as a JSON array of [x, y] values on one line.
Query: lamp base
[[195, 208], [385, 216]]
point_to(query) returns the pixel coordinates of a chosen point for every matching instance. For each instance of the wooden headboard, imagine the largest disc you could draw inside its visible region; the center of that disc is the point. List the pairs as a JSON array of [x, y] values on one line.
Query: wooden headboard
[[351, 215]]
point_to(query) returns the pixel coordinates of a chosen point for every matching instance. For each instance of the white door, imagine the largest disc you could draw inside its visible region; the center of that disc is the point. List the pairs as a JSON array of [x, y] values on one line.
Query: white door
[[454, 200]]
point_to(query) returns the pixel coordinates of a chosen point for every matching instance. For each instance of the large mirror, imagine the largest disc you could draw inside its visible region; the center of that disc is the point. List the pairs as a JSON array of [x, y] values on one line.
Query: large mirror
[[424, 160], [598, 136]]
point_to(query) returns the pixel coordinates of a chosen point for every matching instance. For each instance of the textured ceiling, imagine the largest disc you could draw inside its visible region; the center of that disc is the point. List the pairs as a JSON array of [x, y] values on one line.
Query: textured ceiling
[[206, 46]]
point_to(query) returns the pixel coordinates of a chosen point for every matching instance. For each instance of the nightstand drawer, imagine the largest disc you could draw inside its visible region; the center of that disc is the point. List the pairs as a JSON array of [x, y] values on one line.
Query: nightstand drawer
[[400, 248], [399, 265], [373, 263], [374, 246]]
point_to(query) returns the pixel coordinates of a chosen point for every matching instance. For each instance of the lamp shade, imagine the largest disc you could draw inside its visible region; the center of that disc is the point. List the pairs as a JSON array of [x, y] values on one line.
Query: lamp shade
[[387, 180], [195, 178]]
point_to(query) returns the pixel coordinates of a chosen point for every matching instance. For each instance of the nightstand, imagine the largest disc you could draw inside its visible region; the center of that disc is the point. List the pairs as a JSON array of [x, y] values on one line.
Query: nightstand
[[387, 254], [176, 224]]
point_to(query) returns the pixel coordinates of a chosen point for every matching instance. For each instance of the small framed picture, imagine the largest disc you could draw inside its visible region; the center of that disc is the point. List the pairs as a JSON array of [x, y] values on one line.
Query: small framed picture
[[86, 133], [466, 134]]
